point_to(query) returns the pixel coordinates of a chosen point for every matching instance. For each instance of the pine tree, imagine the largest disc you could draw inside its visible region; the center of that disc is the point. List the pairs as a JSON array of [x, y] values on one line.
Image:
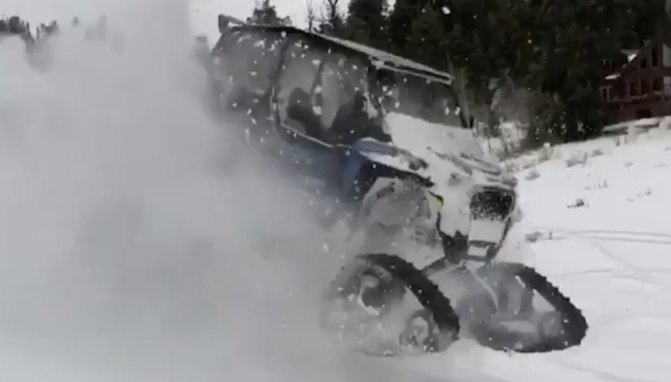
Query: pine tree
[[331, 20], [367, 22], [266, 14], [427, 41], [404, 14], [572, 50]]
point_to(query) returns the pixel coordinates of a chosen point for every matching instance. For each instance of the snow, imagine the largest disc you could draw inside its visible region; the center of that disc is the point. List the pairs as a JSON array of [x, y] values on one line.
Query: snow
[[611, 257], [486, 230], [457, 165], [131, 306], [631, 54]]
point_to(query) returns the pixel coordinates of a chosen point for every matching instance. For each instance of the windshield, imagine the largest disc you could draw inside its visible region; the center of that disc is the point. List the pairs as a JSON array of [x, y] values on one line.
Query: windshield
[[418, 97]]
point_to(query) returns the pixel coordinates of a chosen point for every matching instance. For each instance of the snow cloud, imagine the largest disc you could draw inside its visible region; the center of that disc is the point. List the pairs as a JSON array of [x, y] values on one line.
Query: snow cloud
[[132, 247]]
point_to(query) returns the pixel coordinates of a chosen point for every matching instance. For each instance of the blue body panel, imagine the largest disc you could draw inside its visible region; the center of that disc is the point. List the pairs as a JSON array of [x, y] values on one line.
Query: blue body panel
[[338, 168]]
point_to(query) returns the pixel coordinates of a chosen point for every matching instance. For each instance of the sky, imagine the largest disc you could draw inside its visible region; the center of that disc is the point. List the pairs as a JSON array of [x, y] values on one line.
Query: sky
[[203, 12], [49, 9], [241, 9]]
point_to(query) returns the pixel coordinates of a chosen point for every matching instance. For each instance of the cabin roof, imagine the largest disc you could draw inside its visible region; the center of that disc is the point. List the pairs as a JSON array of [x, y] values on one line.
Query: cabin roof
[[383, 58]]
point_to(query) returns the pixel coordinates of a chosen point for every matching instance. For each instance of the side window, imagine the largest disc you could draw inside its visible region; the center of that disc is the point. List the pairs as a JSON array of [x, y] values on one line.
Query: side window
[[419, 97], [249, 58], [332, 92], [657, 84], [654, 57], [297, 85], [440, 105], [341, 79]]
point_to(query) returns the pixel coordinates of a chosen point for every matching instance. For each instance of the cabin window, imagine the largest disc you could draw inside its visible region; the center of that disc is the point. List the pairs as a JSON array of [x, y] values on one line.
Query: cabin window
[[654, 56], [297, 105], [607, 65], [645, 87], [426, 99], [332, 95], [341, 79], [607, 93], [644, 62], [643, 113], [667, 85], [657, 84], [633, 89], [248, 58]]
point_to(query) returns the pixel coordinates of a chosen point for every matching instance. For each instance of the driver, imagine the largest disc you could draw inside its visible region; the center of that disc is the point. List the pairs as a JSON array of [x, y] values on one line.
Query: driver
[[352, 122], [300, 110]]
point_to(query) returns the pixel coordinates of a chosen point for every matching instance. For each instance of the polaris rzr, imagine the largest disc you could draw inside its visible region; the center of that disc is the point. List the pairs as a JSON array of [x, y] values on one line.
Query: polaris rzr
[[376, 131], [383, 142]]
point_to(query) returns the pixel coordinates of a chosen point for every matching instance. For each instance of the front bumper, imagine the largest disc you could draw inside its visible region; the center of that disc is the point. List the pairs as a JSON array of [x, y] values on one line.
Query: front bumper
[[491, 209]]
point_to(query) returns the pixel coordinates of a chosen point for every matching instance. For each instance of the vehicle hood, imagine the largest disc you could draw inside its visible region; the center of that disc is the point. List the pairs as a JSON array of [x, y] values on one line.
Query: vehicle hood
[[450, 158], [448, 154]]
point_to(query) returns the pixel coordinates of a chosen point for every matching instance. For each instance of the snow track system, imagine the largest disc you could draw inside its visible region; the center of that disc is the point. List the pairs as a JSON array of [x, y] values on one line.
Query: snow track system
[[573, 324], [447, 319]]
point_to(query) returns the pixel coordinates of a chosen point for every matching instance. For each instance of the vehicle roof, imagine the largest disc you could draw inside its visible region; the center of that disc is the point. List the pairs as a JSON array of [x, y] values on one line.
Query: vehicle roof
[[386, 59]]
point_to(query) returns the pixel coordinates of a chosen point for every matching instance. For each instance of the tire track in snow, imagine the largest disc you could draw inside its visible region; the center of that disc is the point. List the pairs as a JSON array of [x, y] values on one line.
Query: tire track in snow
[[609, 272], [597, 374], [636, 273], [655, 238], [593, 237], [645, 275]]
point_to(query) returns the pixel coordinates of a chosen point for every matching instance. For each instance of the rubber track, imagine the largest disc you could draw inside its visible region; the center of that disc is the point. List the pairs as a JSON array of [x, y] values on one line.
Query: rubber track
[[428, 294], [574, 323], [431, 298]]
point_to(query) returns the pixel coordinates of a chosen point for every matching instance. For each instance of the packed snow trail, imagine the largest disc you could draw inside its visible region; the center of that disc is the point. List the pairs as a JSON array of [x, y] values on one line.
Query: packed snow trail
[[129, 254]]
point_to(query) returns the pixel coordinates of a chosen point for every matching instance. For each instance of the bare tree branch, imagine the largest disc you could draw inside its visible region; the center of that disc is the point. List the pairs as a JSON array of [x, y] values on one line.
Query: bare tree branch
[[311, 16], [331, 18]]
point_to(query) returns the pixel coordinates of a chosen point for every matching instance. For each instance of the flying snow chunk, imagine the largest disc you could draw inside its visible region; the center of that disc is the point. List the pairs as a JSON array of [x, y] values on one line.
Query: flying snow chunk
[[446, 10]]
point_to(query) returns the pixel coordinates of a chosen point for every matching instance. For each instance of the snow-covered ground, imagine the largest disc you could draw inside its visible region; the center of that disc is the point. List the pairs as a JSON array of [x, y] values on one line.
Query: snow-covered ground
[[130, 253], [610, 256]]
